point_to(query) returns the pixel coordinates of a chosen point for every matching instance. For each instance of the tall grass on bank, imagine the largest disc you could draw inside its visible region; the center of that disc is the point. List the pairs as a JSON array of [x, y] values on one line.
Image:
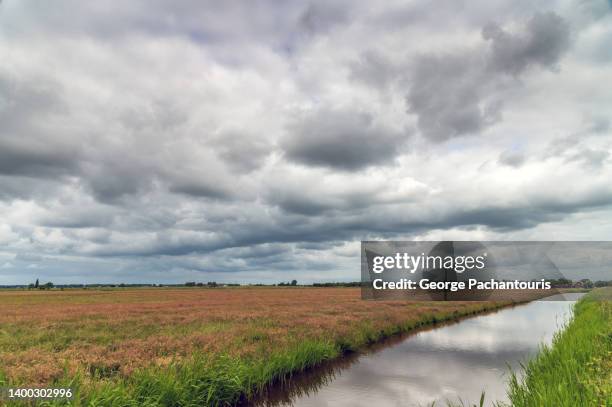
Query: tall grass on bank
[[576, 370]]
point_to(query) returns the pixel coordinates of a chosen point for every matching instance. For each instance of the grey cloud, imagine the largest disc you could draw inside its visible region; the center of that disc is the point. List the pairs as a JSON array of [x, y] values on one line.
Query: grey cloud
[[587, 145], [28, 257], [591, 158], [600, 125], [528, 216], [153, 151], [27, 188], [230, 23], [308, 200], [460, 92], [79, 216], [30, 108], [374, 69], [341, 139], [205, 180], [544, 40], [19, 156], [512, 158], [199, 188], [449, 95], [300, 204], [22, 98], [319, 17], [46, 136], [449, 13], [355, 224], [110, 178], [242, 152]]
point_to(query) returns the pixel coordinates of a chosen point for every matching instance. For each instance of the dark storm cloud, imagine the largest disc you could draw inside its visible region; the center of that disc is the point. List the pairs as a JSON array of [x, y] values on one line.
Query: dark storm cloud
[[34, 157], [350, 225], [28, 110], [457, 93], [345, 140], [111, 175], [199, 188], [543, 41], [301, 204]]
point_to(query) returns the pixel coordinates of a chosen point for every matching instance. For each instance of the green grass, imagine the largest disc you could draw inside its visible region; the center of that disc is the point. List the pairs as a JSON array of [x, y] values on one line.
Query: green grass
[[573, 371], [576, 370], [223, 380]]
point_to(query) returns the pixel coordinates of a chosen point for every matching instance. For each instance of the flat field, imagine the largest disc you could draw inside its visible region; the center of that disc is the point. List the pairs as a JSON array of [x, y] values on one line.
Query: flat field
[[190, 346]]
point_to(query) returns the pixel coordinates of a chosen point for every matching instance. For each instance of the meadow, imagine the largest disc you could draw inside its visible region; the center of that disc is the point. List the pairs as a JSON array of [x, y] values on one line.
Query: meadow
[[188, 347]]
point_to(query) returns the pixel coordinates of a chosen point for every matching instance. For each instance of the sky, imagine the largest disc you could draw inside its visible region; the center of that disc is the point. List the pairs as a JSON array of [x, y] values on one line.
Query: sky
[[261, 141]]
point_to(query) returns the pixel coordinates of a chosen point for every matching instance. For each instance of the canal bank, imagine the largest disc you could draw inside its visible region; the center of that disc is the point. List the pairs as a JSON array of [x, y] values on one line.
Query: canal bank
[[453, 362], [576, 370]]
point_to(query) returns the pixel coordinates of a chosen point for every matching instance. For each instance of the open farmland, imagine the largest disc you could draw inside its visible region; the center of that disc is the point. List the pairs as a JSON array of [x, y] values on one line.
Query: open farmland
[[211, 346]]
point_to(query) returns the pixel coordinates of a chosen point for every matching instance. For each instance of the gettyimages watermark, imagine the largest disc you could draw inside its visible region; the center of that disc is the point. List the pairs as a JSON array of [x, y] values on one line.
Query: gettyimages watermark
[[481, 271]]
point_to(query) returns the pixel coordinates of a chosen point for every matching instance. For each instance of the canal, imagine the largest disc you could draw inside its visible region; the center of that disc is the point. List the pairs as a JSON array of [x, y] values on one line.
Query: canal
[[451, 362]]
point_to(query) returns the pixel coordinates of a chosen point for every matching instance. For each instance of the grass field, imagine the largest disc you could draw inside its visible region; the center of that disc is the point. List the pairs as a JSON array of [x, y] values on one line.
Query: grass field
[[190, 346], [576, 370]]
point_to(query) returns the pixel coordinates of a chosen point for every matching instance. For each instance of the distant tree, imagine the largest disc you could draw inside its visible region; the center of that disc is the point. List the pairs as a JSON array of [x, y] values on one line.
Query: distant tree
[[48, 286], [293, 282], [562, 282], [30, 286], [200, 284], [212, 284], [190, 284], [36, 284]]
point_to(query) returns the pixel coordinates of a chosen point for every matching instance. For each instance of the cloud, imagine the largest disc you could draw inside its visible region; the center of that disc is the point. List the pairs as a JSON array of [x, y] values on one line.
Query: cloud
[[341, 139], [145, 142], [512, 158], [374, 69], [243, 152], [29, 110], [595, 159], [449, 96], [459, 93], [542, 42]]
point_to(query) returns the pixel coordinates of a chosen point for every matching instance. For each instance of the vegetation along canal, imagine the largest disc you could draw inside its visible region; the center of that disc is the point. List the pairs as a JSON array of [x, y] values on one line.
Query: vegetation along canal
[[454, 362]]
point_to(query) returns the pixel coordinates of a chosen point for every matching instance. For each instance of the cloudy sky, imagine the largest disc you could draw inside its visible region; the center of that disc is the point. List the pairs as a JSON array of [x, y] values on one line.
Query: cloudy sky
[[246, 141]]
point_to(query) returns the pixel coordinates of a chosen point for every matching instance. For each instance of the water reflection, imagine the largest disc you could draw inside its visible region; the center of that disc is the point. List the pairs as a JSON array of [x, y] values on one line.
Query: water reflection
[[447, 363]]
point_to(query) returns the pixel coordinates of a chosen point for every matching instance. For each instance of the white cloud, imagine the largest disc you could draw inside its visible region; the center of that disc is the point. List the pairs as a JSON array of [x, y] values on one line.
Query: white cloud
[[141, 142]]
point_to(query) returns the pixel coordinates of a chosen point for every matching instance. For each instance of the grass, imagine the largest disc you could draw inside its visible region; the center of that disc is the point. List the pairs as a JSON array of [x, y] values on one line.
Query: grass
[[191, 347], [576, 370]]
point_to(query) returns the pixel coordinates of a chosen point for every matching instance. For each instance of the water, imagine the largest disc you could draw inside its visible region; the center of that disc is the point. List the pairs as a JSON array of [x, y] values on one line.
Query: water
[[450, 362]]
